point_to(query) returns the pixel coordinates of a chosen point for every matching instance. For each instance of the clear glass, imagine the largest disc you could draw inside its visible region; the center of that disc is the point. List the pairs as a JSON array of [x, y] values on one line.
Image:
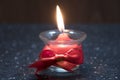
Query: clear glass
[[49, 38]]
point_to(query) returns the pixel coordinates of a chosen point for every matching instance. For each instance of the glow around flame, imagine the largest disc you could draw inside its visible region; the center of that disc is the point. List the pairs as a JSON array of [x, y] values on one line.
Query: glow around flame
[[60, 21]]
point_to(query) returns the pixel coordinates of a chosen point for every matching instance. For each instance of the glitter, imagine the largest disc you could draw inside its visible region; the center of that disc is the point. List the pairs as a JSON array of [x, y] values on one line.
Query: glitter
[[95, 57], [95, 72], [6, 51], [91, 62], [16, 66], [24, 74], [11, 78], [24, 65], [18, 53], [101, 60], [95, 67], [15, 58], [6, 63], [105, 65], [116, 77], [33, 46], [28, 58], [97, 48], [101, 75], [17, 62], [29, 51], [110, 78], [1, 60], [2, 55], [100, 64]]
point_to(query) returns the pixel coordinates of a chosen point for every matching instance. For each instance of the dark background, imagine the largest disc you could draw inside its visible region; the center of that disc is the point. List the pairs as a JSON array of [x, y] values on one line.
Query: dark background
[[20, 44], [74, 11]]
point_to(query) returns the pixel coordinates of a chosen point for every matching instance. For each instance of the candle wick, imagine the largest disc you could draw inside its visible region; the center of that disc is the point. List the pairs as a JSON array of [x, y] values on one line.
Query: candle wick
[[62, 31]]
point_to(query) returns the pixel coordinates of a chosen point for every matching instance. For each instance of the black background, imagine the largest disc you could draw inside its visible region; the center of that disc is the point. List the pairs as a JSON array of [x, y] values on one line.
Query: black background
[[74, 11]]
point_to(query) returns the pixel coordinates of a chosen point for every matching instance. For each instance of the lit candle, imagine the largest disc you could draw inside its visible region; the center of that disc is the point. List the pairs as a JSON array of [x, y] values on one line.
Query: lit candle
[[61, 48], [63, 37], [63, 52]]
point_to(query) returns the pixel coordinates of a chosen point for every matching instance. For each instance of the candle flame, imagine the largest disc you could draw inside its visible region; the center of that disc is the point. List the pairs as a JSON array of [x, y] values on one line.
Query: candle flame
[[60, 21]]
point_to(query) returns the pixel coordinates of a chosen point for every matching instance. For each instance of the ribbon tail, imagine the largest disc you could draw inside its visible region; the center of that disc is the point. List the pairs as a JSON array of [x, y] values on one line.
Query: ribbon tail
[[41, 65]]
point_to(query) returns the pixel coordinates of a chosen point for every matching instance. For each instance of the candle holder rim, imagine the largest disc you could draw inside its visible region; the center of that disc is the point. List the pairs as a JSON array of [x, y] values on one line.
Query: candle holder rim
[[66, 41]]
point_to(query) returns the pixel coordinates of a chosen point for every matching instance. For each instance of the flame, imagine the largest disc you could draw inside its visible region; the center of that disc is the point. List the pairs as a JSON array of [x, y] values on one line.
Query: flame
[[60, 21]]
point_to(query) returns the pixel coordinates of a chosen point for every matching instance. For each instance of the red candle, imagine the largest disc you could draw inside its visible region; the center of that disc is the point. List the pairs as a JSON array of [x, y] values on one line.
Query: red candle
[[60, 52], [61, 49]]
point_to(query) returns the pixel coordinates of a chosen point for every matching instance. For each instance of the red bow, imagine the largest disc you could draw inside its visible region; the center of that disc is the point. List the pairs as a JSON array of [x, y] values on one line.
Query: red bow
[[67, 61]]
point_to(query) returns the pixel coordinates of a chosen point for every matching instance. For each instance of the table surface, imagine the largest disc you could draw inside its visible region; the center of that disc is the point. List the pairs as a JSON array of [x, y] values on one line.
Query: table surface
[[20, 46]]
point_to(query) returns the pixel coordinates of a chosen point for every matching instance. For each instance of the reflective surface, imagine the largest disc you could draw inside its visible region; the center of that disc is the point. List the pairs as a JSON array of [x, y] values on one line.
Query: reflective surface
[[20, 46]]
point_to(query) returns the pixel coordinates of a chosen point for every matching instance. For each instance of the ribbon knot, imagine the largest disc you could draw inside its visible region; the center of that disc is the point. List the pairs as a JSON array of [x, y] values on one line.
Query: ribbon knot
[[67, 61]]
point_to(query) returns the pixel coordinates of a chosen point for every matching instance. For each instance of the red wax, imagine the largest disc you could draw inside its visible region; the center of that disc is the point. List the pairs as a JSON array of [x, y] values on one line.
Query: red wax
[[63, 37], [63, 47]]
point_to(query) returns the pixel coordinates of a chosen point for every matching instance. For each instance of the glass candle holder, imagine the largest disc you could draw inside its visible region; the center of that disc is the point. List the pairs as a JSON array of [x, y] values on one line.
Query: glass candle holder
[[61, 43]]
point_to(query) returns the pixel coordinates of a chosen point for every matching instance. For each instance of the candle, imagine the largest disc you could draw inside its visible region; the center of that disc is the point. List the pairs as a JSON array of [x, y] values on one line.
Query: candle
[[63, 51], [63, 46], [63, 37]]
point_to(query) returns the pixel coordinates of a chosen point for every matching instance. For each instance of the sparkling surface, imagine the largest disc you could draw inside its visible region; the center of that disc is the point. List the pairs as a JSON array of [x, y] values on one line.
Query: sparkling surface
[[20, 46]]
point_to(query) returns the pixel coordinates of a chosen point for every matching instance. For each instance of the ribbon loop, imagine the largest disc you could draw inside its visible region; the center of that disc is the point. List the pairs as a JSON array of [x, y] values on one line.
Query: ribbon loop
[[66, 61]]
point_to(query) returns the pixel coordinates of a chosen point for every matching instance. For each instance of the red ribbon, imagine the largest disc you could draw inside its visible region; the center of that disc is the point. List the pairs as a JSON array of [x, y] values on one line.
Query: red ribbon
[[67, 61]]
